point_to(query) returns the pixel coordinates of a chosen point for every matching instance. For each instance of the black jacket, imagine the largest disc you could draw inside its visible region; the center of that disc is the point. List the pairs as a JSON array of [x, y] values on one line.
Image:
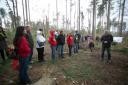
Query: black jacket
[[77, 38], [61, 39], [107, 40], [30, 40]]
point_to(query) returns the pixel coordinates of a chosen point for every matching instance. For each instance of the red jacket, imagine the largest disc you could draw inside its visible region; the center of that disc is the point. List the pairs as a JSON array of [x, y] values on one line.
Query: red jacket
[[70, 40], [23, 48], [52, 39]]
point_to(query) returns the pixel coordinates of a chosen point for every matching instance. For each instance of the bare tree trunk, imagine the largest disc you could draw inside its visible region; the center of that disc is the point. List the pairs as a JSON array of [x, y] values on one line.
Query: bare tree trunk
[[26, 8], [79, 15], [122, 17], [57, 13], [74, 16], [14, 12], [108, 15], [119, 17], [29, 11], [94, 19], [66, 15], [23, 11], [17, 12], [70, 12], [0, 21]]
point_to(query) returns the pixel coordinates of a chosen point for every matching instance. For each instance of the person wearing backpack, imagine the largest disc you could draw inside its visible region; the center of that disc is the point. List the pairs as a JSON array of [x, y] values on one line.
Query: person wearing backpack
[[40, 39], [60, 43], [76, 42], [106, 40]]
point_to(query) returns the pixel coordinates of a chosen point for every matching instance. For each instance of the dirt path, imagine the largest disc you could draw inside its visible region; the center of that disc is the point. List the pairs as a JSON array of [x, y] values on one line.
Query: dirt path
[[85, 68]]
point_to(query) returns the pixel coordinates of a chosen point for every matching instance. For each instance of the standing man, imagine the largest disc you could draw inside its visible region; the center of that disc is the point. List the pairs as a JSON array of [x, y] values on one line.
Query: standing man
[[30, 40], [61, 42], [106, 40], [77, 37]]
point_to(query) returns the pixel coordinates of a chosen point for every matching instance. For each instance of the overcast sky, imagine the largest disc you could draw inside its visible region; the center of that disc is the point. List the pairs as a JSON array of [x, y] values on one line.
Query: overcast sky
[[39, 9]]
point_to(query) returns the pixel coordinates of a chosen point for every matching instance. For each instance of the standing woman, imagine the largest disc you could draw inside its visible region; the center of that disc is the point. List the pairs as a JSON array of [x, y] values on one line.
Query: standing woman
[[40, 46], [70, 42], [3, 44], [53, 44], [23, 51]]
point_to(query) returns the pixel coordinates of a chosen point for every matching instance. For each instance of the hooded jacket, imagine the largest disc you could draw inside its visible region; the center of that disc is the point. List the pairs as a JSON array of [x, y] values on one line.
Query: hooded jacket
[[40, 39], [70, 40], [52, 39]]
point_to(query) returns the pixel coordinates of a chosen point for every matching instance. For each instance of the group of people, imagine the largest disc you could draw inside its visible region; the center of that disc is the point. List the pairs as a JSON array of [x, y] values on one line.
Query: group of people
[[23, 48], [57, 41], [24, 44]]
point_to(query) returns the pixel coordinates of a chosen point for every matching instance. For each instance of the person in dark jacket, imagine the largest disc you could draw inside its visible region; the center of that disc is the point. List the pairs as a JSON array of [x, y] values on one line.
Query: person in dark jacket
[[60, 43], [3, 44], [30, 40], [106, 40], [23, 50], [77, 37]]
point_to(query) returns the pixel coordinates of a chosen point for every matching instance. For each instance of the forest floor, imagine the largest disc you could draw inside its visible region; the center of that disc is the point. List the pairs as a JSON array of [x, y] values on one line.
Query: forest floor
[[84, 68]]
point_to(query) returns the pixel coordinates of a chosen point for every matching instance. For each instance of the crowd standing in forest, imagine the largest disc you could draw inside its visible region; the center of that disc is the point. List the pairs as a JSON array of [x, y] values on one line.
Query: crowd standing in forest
[[23, 46]]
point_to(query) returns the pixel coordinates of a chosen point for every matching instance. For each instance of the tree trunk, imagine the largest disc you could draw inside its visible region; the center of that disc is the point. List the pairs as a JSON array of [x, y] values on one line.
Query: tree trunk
[[108, 16], [122, 17], [79, 15], [23, 11], [17, 12], [14, 13], [29, 11], [94, 19], [89, 21], [66, 16], [119, 18], [0, 21], [26, 8]]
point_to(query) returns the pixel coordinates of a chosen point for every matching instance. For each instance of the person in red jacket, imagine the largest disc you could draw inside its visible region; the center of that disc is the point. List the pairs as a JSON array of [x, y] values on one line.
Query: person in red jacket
[[23, 51], [70, 42], [53, 44]]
